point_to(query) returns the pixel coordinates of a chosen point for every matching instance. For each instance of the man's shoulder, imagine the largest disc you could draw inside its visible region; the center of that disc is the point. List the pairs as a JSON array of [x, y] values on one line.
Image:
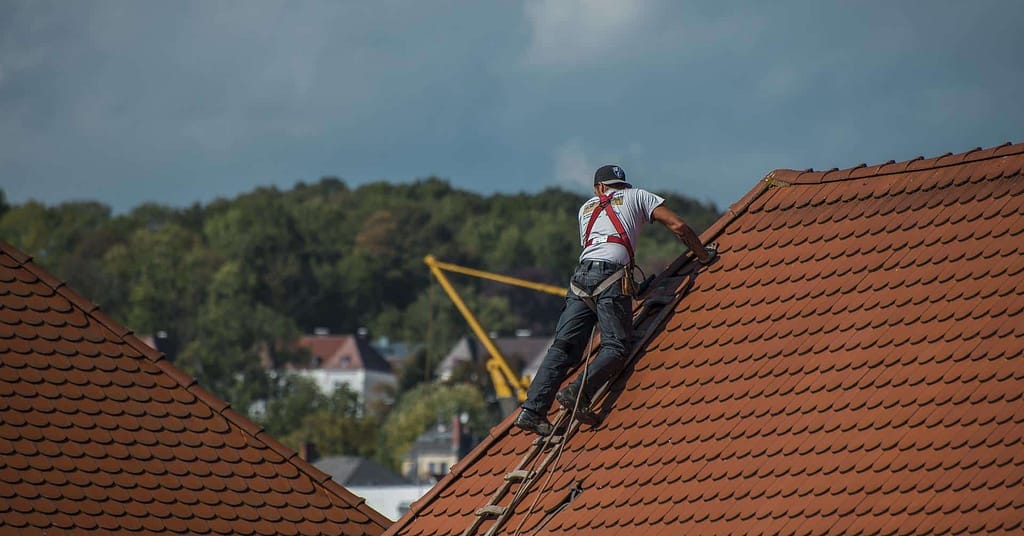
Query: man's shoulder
[[640, 193], [589, 204]]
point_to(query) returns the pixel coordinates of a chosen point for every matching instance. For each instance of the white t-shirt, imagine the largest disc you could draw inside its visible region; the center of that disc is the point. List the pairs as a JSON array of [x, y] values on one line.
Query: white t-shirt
[[633, 206]]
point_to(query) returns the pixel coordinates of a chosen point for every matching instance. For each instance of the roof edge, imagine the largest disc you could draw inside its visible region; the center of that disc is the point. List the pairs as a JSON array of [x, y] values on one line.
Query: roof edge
[[188, 383], [863, 171], [737, 209]]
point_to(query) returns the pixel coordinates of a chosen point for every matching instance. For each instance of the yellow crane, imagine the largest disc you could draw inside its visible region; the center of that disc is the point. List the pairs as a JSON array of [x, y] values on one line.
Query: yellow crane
[[509, 387]]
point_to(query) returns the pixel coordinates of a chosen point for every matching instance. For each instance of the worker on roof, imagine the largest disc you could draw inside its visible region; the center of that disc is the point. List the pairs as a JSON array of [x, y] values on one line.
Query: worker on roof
[[600, 291]]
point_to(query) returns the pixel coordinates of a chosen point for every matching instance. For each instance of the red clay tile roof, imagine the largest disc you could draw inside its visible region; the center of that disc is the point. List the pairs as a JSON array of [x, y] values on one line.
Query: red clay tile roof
[[852, 364], [99, 433], [343, 352]]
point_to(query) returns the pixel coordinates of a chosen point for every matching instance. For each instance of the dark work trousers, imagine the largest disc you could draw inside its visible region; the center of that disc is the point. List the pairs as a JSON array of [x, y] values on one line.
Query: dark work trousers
[[614, 318]]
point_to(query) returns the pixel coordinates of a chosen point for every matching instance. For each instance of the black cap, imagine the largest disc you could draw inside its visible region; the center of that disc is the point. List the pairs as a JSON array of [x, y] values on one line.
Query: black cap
[[610, 175]]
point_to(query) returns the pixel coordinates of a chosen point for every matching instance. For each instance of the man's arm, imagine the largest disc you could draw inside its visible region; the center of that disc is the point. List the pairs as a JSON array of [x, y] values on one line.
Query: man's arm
[[666, 217]]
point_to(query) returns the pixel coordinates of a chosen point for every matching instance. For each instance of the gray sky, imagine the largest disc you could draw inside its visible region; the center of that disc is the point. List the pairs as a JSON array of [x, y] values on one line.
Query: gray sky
[[126, 102]]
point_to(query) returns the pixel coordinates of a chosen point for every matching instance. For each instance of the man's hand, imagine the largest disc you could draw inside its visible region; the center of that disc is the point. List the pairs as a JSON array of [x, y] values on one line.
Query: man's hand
[[712, 253]]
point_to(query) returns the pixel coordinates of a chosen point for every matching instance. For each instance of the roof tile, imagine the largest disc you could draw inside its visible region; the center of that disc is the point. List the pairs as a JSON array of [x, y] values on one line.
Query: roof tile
[[846, 367], [101, 433]]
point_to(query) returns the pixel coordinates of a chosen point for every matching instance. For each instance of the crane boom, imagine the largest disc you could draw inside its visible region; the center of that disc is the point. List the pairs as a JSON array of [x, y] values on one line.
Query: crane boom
[[541, 287], [508, 385]]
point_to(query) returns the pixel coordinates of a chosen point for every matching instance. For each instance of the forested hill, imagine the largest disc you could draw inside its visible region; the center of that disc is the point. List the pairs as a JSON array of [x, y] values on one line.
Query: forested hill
[[230, 279]]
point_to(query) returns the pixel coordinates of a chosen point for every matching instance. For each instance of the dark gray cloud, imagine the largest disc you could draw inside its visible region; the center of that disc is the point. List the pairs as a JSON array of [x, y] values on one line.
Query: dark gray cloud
[[175, 102]]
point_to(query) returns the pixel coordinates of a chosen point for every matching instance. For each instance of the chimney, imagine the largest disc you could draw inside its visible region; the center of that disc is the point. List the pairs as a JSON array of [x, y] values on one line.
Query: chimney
[[462, 437], [308, 452], [456, 434]]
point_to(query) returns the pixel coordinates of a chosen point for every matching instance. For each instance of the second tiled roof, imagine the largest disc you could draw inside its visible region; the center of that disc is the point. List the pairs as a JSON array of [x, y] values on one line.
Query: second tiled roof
[[99, 433]]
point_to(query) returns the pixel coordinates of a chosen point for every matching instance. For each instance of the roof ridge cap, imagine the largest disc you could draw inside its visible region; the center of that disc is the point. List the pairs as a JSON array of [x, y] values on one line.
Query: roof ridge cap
[[189, 383], [919, 163], [737, 209]]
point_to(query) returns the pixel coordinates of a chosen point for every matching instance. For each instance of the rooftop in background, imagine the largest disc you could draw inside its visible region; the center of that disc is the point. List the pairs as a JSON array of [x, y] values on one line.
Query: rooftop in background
[[520, 352], [358, 471], [100, 433], [853, 363], [343, 352]]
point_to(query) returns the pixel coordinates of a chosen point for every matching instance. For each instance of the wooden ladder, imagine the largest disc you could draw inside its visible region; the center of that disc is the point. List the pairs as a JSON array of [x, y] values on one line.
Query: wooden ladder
[[524, 476], [645, 324]]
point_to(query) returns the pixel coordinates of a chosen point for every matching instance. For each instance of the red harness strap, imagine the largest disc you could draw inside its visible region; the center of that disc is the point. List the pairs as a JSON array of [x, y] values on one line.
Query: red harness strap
[[621, 237]]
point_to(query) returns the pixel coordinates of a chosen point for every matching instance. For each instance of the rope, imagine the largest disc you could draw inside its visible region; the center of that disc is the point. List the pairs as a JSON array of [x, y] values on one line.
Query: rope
[[565, 438]]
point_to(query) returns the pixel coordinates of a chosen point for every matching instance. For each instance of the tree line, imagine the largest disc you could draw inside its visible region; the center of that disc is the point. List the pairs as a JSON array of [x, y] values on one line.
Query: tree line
[[232, 282]]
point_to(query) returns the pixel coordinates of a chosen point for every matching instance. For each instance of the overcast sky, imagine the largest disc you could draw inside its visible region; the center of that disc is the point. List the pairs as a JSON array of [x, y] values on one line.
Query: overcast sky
[[175, 102]]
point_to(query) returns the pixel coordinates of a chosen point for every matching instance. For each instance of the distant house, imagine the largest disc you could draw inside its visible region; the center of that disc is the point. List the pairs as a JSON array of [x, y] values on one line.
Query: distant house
[[396, 353], [436, 451], [358, 471], [384, 490], [347, 360], [391, 501], [521, 352]]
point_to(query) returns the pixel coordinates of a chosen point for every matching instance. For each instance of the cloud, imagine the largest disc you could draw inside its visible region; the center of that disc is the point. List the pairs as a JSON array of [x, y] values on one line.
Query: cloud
[[184, 101], [215, 97], [570, 32], [572, 166]]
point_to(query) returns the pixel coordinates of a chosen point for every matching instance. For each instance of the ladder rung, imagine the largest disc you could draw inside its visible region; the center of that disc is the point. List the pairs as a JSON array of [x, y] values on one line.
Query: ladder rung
[[518, 475], [491, 510], [549, 440]]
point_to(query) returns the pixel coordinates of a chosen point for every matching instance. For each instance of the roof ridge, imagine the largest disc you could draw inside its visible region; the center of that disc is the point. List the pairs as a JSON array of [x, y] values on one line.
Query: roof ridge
[[891, 167], [189, 383]]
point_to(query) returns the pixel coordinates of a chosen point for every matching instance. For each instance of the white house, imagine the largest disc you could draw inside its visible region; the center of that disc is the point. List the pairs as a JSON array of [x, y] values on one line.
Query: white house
[[347, 360]]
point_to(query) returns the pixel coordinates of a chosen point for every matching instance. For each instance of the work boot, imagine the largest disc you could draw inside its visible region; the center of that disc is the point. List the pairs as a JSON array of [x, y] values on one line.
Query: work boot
[[567, 398], [532, 422]]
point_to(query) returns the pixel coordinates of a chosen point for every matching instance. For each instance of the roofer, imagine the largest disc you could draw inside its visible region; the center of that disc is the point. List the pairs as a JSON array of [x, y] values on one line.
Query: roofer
[[600, 291]]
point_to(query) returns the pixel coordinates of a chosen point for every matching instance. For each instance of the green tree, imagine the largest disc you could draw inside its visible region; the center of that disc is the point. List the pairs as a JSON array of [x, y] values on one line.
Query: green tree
[[238, 339], [338, 428], [165, 271], [427, 405], [29, 227], [259, 234], [290, 399]]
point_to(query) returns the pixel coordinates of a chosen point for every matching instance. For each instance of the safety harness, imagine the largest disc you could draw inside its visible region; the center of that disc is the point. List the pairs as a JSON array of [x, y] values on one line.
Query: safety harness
[[605, 205]]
